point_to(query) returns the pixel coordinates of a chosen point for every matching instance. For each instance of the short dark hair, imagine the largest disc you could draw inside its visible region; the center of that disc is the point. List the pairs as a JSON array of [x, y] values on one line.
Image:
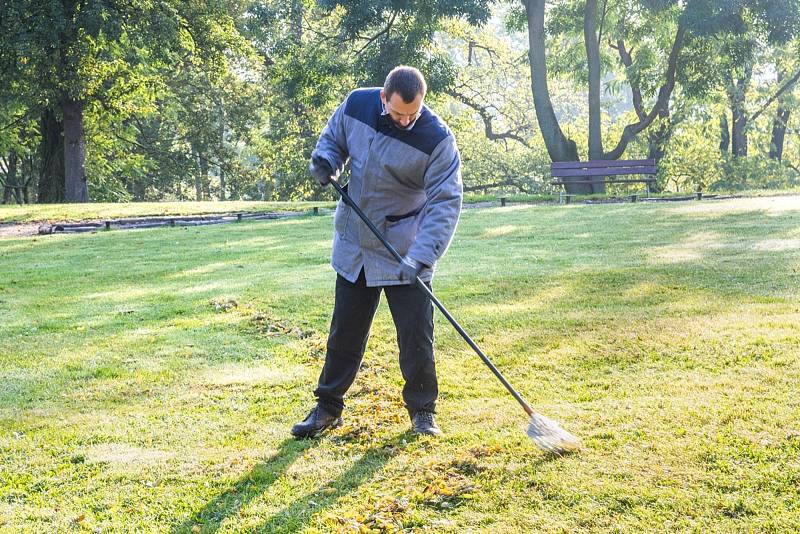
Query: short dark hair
[[407, 81]]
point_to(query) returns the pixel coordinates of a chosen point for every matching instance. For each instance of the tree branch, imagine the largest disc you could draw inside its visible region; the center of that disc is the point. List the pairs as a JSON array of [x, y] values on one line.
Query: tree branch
[[786, 86], [16, 121], [662, 102], [626, 59], [473, 45], [487, 118], [382, 32], [602, 22]]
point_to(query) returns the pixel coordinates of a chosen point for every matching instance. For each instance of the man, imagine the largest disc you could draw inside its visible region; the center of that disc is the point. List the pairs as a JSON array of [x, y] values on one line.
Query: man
[[405, 176]]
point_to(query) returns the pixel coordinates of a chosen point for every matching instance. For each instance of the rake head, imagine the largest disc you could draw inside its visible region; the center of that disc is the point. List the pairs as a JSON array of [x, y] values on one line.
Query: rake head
[[550, 437]]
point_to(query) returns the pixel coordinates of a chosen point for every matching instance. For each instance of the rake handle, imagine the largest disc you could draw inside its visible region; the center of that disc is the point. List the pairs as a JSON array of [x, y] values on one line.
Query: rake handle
[[421, 285]]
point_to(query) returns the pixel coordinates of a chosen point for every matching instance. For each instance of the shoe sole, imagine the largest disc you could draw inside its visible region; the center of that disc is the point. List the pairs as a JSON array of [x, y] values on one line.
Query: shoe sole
[[335, 424]]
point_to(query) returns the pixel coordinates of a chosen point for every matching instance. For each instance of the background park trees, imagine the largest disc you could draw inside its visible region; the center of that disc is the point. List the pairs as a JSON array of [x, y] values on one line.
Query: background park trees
[[120, 101]]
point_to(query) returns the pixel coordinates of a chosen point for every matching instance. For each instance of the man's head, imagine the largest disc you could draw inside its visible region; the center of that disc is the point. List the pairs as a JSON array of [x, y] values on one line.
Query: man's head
[[403, 93]]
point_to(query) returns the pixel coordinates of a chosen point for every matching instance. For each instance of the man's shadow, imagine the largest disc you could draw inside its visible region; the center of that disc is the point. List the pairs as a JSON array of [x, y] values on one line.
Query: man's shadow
[[248, 487], [294, 515]]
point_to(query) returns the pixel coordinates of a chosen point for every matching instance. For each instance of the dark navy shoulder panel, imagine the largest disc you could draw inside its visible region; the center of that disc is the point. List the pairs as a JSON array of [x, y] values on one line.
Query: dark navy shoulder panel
[[364, 105], [427, 133]]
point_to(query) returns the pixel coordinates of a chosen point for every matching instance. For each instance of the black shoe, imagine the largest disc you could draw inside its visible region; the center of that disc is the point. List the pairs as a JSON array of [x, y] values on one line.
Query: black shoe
[[317, 422], [423, 423]]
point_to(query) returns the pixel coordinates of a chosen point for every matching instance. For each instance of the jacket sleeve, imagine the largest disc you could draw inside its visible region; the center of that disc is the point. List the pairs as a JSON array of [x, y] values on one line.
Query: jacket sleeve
[[444, 191], [332, 143]]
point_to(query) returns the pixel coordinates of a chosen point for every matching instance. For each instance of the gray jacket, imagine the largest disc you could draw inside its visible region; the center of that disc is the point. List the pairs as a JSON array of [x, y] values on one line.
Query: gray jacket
[[408, 182]]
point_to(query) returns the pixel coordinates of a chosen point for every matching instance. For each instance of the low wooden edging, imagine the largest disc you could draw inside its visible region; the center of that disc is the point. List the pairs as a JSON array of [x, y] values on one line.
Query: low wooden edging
[[156, 222]]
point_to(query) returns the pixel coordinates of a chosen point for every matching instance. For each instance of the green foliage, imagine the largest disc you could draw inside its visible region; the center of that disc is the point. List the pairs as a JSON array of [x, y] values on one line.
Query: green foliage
[[215, 100], [499, 167], [755, 173], [692, 160], [307, 76], [399, 32]]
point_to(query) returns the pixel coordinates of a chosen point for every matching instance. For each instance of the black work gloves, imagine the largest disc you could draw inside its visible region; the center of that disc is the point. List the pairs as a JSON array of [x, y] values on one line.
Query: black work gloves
[[321, 170], [409, 269]]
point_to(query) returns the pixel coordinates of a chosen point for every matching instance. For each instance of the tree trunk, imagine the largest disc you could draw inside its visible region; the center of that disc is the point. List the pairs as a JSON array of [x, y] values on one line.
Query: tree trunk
[[559, 146], [658, 137], [779, 132], [51, 179], [779, 126], [736, 94], [725, 133], [28, 170], [657, 140], [738, 132], [11, 190], [297, 21], [593, 64], [138, 189], [204, 178], [222, 151], [74, 152], [198, 180]]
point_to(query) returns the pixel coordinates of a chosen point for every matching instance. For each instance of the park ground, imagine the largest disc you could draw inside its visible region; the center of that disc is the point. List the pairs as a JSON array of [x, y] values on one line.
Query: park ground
[[148, 378]]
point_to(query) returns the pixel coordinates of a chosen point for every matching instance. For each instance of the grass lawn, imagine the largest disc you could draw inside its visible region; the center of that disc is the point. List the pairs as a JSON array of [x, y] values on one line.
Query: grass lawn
[[148, 379]]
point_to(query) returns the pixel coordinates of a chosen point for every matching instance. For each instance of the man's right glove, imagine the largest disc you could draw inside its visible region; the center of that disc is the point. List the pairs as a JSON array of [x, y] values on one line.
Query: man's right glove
[[321, 170], [409, 269]]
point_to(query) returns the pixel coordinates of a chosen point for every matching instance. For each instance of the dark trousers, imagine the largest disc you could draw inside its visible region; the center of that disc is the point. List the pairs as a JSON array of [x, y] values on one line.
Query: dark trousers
[[353, 311]]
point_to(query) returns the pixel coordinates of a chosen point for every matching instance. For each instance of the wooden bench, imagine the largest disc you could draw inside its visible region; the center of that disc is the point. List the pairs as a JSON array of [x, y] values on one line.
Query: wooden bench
[[606, 170]]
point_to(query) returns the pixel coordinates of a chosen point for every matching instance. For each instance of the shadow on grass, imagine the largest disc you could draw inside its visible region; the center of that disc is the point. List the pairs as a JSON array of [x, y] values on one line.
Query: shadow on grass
[[250, 486], [141, 298], [295, 515], [298, 513]]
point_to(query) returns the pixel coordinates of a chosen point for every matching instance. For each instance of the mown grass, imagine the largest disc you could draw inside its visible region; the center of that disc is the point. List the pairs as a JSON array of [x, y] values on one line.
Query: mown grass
[[148, 378], [11, 213]]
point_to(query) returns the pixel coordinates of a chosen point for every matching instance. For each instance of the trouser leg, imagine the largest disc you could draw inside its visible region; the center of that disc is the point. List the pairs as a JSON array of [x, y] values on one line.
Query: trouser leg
[[354, 308], [412, 311]]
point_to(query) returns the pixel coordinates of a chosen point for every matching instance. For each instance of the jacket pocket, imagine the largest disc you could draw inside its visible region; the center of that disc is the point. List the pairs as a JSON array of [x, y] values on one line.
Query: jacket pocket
[[341, 217], [401, 230]]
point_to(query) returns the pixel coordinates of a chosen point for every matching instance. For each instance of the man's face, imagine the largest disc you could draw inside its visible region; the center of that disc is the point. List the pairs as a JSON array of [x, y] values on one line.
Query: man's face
[[401, 112]]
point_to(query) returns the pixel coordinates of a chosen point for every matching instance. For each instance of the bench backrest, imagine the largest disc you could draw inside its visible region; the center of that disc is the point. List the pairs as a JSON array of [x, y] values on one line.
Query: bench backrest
[[614, 167]]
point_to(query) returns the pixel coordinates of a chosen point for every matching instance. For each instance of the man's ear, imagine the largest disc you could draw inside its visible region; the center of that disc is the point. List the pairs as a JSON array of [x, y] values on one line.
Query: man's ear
[[383, 95]]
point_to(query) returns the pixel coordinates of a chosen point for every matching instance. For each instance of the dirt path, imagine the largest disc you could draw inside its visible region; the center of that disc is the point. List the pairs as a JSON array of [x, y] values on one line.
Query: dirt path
[[12, 230]]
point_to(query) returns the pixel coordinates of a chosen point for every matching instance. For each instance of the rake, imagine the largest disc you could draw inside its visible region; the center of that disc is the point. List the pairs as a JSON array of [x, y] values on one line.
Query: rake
[[547, 434]]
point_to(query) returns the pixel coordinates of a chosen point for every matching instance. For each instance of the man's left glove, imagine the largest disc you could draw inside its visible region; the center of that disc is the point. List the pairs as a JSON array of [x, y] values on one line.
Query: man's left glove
[[321, 170], [409, 269]]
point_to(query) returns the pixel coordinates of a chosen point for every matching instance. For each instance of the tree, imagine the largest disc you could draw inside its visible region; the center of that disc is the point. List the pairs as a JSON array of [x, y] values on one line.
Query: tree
[[733, 39], [70, 52], [619, 23]]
